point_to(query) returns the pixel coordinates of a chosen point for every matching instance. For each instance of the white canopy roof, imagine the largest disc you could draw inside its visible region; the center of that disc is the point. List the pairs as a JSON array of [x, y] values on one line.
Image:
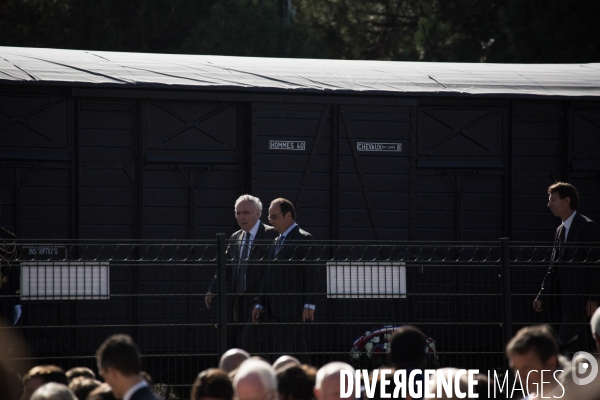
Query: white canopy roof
[[78, 68]]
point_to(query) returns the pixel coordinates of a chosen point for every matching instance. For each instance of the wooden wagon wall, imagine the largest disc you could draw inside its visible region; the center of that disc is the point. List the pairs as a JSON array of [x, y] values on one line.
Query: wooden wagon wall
[[133, 164], [165, 167]]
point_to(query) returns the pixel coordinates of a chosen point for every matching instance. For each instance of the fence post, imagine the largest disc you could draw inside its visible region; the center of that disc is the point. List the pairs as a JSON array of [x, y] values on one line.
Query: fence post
[[506, 289], [222, 296]]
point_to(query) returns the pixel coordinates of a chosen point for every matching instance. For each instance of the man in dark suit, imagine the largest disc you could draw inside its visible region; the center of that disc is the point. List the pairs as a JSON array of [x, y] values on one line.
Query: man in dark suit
[[247, 251], [10, 278], [573, 274], [119, 363], [288, 288]]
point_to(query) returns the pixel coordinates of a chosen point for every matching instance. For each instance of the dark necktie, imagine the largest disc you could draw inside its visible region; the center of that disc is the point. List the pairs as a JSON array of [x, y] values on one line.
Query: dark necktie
[[560, 240], [280, 240], [240, 281]]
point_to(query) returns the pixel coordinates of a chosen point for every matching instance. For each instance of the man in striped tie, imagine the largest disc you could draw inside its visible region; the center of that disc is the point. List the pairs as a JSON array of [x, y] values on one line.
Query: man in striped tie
[[247, 252]]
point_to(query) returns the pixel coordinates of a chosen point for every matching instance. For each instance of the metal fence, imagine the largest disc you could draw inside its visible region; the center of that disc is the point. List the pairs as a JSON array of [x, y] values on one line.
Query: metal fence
[[469, 298]]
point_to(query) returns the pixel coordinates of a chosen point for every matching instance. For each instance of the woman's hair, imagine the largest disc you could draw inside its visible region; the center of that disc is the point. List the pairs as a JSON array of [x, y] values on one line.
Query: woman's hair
[[212, 382]]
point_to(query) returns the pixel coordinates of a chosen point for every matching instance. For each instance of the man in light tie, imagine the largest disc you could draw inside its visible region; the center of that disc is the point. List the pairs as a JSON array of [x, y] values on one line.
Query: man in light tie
[[247, 251], [289, 285]]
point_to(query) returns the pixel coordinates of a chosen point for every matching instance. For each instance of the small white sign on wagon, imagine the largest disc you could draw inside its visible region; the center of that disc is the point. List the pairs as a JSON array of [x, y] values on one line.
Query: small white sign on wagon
[[366, 146], [286, 145], [65, 280], [366, 280]]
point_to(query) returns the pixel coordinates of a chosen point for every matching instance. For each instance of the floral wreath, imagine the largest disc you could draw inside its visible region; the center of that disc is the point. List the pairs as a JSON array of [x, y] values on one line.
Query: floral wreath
[[371, 349]]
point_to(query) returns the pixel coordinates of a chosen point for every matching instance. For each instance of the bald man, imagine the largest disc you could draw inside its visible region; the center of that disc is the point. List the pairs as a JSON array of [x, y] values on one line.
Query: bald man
[[327, 385], [232, 359], [255, 379]]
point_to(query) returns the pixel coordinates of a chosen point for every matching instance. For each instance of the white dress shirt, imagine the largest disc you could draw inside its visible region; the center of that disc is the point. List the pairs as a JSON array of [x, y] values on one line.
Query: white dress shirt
[[567, 224], [252, 233], [133, 389]]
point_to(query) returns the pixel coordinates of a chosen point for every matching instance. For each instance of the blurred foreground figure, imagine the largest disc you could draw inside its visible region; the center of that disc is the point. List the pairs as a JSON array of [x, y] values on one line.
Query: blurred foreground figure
[[296, 382], [53, 391], [212, 384], [40, 375], [407, 351], [327, 385], [102, 392], [13, 361], [532, 350], [232, 358], [583, 367], [119, 363], [254, 380], [80, 372], [284, 362], [81, 386]]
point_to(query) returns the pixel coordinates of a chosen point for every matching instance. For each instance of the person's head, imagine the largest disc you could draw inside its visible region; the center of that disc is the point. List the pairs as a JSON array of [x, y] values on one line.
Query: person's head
[[311, 372], [533, 348], [81, 386], [595, 324], [53, 391], [10, 382], [407, 348], [295, 383], [212, 384], [327, 383], [563, 199], [14, 359], [232, 359], [102, 392], [255, 380], [247, 211], [40, 375], [119, 363], [282, 214], [80, 371], [284, 362]]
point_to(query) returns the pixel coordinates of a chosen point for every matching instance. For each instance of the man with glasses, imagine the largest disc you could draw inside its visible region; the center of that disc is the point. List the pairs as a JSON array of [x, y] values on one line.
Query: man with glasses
[[244, 271], [287, 292]]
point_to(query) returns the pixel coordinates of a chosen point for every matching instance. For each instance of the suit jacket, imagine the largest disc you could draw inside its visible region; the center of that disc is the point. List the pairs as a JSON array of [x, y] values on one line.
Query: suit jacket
[[291, 277], [144, 394], [580, 281], [10, 278], [258, 253]]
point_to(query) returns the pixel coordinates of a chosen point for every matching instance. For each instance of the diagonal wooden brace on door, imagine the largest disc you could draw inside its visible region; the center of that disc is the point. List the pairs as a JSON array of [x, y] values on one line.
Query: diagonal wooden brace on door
[[361, 177]]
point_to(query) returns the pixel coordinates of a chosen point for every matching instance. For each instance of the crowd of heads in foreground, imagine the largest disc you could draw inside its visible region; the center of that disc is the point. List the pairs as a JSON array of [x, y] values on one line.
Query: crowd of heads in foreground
[[241, 376]]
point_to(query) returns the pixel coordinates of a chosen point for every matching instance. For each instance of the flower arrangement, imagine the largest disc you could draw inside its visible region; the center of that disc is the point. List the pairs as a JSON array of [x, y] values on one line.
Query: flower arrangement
[[370, 350]]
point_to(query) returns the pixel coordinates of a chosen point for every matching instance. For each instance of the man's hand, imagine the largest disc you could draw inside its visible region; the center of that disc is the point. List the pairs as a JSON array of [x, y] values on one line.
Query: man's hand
[[308, 313], [591, 307], [256, 315], [18, 314], [208, 297], [538, 306]]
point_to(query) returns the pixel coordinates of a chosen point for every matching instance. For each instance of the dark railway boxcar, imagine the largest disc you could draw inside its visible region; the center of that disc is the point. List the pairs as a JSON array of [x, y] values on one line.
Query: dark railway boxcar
[[101, 145]]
